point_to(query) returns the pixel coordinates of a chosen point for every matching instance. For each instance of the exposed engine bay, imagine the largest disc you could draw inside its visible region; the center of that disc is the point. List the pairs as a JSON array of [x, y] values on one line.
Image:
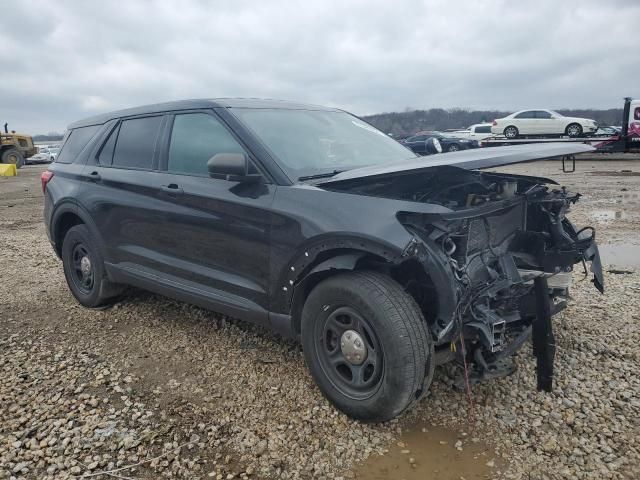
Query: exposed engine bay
[[505, 239]]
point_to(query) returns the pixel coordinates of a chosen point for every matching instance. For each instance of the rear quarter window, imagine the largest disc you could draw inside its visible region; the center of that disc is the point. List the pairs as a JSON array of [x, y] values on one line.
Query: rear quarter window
[[74, 142]]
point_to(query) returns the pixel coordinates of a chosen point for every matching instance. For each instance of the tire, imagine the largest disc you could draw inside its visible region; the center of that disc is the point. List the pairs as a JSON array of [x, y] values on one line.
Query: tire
[[454, 147], [573, 130], [395, 367], [87, 281], [511, 132], [14, 156]]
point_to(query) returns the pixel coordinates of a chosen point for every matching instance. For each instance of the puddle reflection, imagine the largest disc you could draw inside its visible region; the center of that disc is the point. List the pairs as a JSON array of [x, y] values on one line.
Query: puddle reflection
[[620, 254]]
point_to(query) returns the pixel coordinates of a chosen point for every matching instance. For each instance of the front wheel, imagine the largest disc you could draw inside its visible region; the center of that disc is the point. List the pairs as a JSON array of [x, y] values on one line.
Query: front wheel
[[367, 345], [574, 130]]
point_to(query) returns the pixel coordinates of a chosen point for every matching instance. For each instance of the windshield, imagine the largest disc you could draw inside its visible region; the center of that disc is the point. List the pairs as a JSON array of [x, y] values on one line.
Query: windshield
[[555, 114], [313, 142]]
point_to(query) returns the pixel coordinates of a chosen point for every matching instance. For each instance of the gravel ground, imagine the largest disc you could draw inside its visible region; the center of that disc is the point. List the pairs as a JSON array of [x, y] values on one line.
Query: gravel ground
[[184, 393]]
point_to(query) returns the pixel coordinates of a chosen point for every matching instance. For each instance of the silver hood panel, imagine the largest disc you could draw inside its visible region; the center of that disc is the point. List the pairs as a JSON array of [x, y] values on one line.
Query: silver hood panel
[[478, 158]]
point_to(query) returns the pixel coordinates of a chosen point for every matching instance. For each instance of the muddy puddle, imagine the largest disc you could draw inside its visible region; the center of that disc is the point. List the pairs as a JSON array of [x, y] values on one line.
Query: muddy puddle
[[620, 254], [615, 173], [424, 452]]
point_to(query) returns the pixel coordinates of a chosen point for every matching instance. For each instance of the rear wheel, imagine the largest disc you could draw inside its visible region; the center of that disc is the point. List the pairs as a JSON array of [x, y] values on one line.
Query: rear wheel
[[454, 147], [574, 130], [84, 268], [367, 345], [511, 132], [13, 156]]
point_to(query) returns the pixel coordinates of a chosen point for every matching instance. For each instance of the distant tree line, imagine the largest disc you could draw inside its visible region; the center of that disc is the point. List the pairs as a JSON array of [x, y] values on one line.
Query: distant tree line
[[411, 121], [49, 137]]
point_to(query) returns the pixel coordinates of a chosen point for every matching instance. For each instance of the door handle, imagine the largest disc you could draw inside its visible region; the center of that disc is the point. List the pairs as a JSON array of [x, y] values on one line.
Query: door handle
[[94, 176], [172, 189]]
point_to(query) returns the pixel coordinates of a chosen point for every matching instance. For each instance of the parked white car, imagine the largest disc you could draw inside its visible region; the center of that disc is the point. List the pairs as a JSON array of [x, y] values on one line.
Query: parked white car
[[45, 154], [479, 131], [541, 122]]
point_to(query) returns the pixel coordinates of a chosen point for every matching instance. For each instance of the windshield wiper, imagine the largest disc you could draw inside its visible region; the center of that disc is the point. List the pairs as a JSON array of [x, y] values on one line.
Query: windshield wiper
[[320, 175]]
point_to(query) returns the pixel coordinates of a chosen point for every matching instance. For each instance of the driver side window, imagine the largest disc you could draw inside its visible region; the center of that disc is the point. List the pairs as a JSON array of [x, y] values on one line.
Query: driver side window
[[195, 138]]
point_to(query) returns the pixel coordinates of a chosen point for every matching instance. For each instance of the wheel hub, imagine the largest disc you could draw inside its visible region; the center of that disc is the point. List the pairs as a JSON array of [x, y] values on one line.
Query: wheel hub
[[353, 347], [85, 265]]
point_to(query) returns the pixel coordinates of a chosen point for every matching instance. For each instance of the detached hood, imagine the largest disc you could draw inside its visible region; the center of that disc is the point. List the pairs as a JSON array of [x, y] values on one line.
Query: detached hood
[[469, 159]]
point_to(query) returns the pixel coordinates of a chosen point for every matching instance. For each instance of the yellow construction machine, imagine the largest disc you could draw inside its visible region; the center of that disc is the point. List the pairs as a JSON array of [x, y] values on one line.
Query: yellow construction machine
[[15, 148]]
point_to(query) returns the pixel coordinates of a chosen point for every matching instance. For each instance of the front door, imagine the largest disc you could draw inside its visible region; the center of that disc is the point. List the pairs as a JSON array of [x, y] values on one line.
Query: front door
[[215, 233]]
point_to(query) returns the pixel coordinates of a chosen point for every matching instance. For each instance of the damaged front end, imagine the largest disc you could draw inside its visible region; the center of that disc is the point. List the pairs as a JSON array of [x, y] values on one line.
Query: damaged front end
[[511, 251]]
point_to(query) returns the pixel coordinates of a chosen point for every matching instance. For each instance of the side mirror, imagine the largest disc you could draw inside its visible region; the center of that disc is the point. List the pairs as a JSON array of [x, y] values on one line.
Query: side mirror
[[231, 166]]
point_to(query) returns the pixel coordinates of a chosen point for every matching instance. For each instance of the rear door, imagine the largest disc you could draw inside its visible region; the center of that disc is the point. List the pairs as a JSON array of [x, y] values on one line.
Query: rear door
[[122, 196], [215, 233], [526, 123]]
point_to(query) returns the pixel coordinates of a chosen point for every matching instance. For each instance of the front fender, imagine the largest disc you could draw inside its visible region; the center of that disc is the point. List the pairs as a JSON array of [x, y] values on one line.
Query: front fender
[[322, 254]]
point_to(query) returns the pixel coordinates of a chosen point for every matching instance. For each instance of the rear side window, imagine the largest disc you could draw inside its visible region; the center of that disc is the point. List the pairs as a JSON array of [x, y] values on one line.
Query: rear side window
[[486, 129], [136, 142], [542, 114], [195, 138], [75, 141], [529, 114]]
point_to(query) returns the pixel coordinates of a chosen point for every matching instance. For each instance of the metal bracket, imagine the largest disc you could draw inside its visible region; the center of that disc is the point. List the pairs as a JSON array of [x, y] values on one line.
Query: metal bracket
[[544, 345], [573, 165]]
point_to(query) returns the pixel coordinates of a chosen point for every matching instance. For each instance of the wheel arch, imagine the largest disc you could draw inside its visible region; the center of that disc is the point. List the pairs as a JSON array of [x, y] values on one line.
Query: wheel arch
[[408, 271], [66, 216]]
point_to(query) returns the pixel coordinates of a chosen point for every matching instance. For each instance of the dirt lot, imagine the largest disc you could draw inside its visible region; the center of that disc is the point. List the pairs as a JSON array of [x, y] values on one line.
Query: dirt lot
[[180, 392]]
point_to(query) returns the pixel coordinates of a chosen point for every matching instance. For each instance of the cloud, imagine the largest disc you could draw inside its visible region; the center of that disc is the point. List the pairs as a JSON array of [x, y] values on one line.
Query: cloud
[[66, 60]]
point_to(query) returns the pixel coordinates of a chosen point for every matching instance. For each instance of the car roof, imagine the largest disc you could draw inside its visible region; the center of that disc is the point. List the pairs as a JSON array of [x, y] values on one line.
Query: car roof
[[197, 104], [532, 110]]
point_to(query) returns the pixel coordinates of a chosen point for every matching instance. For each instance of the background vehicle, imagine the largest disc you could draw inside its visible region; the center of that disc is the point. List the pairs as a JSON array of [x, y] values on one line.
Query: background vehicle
[[419, 143], [45, 154], [541, 122], [313, 223], [607, 131], [477, 132], [16, 148], [614, 139]]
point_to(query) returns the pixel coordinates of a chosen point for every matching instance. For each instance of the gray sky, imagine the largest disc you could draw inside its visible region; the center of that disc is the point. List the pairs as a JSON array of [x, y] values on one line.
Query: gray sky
[[65, 60]]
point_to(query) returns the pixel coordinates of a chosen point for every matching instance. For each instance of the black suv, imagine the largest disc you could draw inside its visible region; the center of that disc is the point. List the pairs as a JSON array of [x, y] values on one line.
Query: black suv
[[313, 223]]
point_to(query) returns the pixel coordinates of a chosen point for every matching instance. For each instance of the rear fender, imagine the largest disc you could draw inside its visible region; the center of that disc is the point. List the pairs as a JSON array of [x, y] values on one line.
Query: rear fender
[[71, 207]]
